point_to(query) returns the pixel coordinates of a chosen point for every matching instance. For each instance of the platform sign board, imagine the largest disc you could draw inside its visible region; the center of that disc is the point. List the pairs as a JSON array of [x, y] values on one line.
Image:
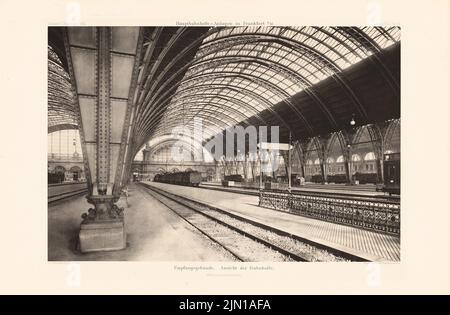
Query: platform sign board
[[274, 146]]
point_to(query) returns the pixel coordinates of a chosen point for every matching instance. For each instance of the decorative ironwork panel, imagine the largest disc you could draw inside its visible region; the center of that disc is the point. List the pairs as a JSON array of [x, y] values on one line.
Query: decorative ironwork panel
[[377, 215]]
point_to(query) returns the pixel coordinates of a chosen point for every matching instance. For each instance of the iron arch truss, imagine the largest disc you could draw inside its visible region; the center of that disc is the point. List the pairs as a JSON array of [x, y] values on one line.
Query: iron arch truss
[[263, 66], [244, 75], [62, 112]]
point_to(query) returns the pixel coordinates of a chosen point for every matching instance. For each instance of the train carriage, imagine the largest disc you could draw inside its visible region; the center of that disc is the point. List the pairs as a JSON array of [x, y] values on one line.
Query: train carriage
[[234, 178], [189, 178]]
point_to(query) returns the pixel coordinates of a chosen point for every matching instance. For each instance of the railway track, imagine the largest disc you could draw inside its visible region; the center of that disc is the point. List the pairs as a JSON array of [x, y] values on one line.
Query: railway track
[[245, 239], [66, 195]]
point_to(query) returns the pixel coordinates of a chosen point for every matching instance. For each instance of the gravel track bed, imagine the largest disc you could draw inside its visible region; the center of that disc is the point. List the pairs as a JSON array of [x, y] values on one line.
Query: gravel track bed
[[309, 252], [243, 247], [226, 254]]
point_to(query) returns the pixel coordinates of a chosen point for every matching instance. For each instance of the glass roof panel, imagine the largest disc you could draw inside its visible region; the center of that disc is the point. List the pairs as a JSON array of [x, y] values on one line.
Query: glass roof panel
[[61, 105], [261, 66], [240, 71]]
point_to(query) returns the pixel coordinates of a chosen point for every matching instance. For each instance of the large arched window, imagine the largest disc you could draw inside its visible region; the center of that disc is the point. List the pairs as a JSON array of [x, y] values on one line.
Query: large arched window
[[171, 152], [340, 159], [330, 160], [64, 143], [139, 156], [370, 156], [356, 158], [392, 137], [317, 161], [60, 169]]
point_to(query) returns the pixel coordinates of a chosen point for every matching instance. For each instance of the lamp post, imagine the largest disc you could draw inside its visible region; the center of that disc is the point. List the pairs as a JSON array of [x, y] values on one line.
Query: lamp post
[[350, 164], [289, 163], [349, 153], [236, 162], [260, 169]]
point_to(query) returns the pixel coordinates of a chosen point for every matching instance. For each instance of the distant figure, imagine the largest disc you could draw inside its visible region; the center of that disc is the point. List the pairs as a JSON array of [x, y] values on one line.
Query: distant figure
[[125, 193]]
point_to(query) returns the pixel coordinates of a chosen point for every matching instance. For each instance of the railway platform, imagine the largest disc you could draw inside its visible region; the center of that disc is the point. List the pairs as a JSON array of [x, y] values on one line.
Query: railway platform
[[57, 192], [366, 244], [362, 190], [154, 233]]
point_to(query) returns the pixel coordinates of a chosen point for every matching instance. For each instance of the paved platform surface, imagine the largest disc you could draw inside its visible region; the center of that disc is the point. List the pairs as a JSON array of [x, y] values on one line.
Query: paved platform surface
[[331, 188], [154, 233], [371, 245]]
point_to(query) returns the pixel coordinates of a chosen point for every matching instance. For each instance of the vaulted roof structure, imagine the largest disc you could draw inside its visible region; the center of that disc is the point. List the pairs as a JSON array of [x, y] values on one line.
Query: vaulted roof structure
[[307, 80]]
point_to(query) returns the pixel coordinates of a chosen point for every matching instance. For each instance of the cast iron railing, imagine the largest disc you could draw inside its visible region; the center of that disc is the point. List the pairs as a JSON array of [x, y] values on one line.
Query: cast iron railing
[[369, 213]]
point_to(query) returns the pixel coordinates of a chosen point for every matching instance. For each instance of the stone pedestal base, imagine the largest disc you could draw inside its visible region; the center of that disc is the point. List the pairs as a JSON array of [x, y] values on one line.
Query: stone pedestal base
[[102, 236]]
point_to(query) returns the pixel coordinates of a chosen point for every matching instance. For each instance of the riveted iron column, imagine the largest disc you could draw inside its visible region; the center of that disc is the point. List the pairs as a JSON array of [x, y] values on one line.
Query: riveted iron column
[[102, 197], [103, 113], [104, 68]]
